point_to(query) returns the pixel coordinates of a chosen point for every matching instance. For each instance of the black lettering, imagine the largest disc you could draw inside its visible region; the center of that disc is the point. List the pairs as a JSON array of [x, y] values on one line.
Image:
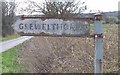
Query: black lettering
[[53, 26], [48, 27], [43, 26], [37, 26], [80, 28], [26, 26], [61, 26], [57, 26], [77, 27], [31, 27], [65, 26], [72, 27], [21, 26]]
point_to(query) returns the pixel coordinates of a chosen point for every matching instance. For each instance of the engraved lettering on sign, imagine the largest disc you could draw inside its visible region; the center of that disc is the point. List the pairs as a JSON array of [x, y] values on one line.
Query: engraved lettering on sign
[[21, 26], [25, 27], [43, 26], [72, 27], [48, 28], [31, 27], [55, 26], [51, 27], [65, 27], [37, 26]]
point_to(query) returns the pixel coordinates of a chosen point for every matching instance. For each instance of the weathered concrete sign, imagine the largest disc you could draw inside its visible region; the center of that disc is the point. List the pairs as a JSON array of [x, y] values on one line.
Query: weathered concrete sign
[[51, 27]]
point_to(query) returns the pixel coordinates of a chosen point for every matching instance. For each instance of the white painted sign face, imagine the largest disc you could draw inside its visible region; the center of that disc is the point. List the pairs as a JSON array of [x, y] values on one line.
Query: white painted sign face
[[51, 27]]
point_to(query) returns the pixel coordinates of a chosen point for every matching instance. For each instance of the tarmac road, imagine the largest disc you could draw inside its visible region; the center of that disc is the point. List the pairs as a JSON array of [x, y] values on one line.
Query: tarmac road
[[11, 43]]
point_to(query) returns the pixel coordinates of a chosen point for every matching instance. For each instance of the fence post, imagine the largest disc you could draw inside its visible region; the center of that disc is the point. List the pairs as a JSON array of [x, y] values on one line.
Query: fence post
[[98, 38]]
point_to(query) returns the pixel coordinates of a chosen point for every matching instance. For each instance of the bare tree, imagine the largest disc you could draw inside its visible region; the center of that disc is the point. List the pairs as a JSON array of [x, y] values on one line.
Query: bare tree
[[8, 17], [55, 8]]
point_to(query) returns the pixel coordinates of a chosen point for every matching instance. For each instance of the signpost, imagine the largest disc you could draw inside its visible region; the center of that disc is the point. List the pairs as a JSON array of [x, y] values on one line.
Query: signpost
[[68, 27], [52, 27], [98, 37]]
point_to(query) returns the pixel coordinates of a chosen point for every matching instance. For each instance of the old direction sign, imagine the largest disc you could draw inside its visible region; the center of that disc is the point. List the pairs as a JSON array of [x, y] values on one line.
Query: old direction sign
[[51, 27]]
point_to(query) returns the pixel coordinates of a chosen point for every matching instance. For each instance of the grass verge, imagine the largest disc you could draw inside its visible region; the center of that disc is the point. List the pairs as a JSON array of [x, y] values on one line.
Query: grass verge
[[9, 61], [9, 37]]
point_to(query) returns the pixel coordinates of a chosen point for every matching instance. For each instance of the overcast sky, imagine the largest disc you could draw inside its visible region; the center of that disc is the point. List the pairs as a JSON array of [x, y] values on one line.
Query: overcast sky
[[94, 5], [103, 5]]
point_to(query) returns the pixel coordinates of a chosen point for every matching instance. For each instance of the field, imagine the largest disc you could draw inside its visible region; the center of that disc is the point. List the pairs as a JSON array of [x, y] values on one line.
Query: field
[[9, 37], [69, 54], [9, 62]]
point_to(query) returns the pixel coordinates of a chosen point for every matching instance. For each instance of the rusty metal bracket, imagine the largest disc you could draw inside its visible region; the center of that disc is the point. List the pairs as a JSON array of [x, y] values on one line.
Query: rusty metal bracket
[[96, 36], [43, 17]]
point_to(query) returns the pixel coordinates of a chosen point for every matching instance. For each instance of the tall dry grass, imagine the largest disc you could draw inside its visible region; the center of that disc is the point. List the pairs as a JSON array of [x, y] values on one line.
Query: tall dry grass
[[68, 54]]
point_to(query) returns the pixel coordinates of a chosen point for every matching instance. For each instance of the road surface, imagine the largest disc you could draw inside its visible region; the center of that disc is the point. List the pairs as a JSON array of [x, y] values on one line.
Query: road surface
[[11, 43]]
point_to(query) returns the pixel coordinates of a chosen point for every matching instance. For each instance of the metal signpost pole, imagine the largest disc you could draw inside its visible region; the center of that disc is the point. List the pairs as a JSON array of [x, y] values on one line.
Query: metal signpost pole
[[98, 37], [52, 26]]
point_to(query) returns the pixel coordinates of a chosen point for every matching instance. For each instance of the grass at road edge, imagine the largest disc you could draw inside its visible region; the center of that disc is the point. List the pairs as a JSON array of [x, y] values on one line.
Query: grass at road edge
[[9, 61], [9, 37]]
